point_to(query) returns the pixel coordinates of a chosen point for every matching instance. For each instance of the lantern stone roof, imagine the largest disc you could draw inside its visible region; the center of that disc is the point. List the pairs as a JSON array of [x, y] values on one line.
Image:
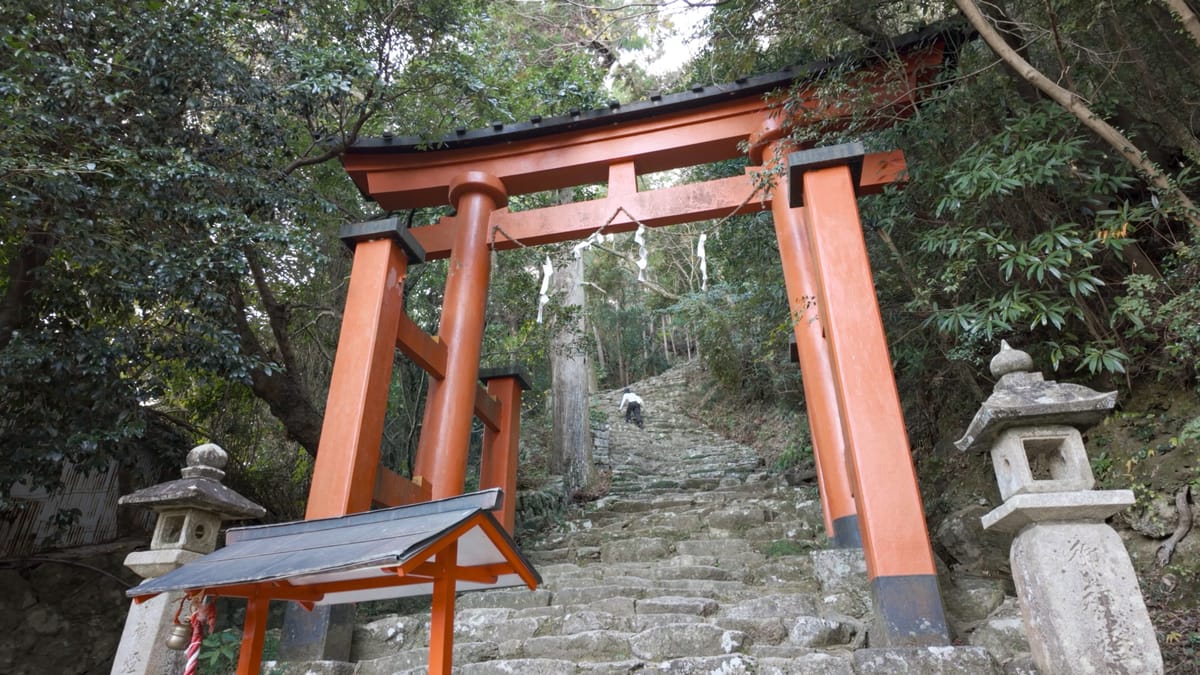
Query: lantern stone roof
[[199, 488], [1022, 398]]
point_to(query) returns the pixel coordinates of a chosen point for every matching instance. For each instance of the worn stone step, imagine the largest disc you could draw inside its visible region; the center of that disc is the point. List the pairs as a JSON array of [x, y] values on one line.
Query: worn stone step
[[588, 594], [808, 663], [635, 549], [678, 640], [698, 561], [925, 661], [417, 658], [552, 555], [676, 604], [523, 666], [309, 668], [498, 625], [514, 598], [593, 645]]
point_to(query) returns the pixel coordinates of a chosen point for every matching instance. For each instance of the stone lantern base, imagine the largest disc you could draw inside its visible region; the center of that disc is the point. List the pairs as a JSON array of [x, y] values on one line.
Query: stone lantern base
[[1081, 602], [143, 643]]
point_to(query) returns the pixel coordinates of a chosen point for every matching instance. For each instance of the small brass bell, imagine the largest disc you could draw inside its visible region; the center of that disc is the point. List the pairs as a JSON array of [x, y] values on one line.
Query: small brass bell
[[181, 635]]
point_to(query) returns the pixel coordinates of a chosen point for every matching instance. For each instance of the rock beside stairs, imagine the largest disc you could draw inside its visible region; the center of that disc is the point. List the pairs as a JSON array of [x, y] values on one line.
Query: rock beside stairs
[[699, 561]]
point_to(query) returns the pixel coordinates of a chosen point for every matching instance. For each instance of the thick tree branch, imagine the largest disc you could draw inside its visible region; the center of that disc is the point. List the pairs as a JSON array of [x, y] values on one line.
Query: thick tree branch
[[1155, 106], [336, 149], [16, 306], [1075, 105], [281, 388], [277, 313], [1187, 17]]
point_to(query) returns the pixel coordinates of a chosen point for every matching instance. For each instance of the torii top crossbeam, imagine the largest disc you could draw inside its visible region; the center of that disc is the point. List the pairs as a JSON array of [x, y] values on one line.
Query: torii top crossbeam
[[615, 144]]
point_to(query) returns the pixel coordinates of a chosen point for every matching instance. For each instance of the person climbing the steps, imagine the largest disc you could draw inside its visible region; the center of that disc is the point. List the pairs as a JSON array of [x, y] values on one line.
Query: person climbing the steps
[[631, 405]]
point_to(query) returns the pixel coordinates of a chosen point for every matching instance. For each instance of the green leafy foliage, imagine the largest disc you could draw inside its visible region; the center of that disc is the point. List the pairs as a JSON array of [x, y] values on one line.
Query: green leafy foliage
[[170, 209], [219, 652], [995, 257], [1016, 220]]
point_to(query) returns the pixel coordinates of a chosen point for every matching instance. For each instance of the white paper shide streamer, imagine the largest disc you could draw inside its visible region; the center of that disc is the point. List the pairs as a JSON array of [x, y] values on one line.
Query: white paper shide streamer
[[640, 238], [703, 261], [544, 294], [578, 249]]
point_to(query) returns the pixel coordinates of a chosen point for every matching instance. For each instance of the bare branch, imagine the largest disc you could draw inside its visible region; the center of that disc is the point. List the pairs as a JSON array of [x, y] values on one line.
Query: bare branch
[[645, 280], [1187, 17], [1070, 101], [336, 149], [1162, 556]]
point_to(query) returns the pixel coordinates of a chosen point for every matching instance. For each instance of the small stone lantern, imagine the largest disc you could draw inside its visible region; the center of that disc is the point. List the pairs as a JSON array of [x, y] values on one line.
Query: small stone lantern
[[190, 511], [1082, 608]]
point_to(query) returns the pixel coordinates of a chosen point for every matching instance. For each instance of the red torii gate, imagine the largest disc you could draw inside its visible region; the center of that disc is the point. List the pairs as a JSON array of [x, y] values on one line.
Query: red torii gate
[[868, 485]]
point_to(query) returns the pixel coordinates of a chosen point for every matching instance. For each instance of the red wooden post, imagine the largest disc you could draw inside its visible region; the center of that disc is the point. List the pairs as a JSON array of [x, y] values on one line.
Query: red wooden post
[[820, 396], [498, 465], [900, 567], [442, 453], [254, 632], [344, 473], [441, 621]]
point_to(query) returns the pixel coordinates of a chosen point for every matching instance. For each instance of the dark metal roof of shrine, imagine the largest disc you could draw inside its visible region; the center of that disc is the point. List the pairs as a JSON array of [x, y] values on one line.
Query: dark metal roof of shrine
[[658, 104], [314, 552]]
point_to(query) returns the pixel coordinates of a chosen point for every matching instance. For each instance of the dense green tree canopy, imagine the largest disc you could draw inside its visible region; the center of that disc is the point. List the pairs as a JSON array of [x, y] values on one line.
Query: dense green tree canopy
[[171, 197], [1019, 220]]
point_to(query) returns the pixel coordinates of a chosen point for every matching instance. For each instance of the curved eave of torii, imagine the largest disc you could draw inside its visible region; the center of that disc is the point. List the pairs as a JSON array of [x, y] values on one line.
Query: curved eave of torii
[[615, 144]]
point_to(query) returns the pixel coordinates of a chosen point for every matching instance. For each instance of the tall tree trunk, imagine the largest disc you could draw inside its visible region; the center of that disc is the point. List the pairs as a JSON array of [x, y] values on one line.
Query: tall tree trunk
[[649, 344], [599, 347], [1071, 101], [622, 375], [666, 348], [281, 388], [1010, 31], [571, 437]]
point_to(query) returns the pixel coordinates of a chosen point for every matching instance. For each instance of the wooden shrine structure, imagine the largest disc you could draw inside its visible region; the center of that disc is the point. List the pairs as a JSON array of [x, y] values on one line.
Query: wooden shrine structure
[[866, 476]]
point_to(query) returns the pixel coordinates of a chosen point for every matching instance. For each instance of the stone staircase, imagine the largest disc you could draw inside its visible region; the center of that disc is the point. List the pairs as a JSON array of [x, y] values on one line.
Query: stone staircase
[[699, 561]]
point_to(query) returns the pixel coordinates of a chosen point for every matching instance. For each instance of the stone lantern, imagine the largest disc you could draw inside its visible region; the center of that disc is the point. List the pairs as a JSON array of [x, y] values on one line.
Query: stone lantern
[[1082, 608], [190, 512]]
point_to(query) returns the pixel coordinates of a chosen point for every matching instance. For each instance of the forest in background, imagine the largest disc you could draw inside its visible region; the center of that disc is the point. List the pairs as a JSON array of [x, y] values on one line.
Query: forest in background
[[172, 196]]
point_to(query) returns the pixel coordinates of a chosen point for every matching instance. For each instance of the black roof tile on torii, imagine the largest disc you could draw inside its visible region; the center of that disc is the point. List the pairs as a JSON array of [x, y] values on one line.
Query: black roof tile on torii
[[952, 33]]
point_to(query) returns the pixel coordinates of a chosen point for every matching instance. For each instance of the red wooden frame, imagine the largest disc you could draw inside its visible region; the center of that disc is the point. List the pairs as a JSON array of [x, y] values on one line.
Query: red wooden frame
[[866, 473]]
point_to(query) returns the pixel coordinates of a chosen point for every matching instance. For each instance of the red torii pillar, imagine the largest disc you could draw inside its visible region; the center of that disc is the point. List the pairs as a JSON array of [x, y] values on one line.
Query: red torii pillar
[[347, 463], [900, 566], [442, 452], [501, 446], [769, 148], [348, 456]]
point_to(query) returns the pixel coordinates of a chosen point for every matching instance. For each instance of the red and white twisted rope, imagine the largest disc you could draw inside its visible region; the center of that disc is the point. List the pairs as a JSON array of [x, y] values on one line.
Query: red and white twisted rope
[[205, 613], [193, 648]]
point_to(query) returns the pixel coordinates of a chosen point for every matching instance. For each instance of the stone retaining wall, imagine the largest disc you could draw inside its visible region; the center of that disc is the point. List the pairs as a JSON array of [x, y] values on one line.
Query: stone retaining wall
[[601, 454], [540, 508]]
